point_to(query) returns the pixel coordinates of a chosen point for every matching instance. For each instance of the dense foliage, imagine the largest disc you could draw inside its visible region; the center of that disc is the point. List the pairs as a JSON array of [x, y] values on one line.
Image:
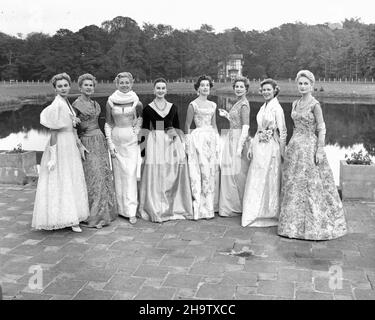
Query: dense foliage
[[330, 51]]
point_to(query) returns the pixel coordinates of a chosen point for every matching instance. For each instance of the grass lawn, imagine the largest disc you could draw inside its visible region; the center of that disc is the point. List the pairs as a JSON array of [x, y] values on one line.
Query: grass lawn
[[18, 94]]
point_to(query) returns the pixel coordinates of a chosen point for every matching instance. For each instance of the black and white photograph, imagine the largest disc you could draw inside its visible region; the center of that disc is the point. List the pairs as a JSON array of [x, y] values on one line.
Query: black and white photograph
[[186, 156]]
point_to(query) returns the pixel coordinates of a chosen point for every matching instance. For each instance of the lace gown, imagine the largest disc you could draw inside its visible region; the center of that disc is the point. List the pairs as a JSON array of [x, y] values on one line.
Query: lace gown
[[61, 195], [311, 208], [234, 168], [165, 187], [261, 204], [203, 145], [98, 174], [126, 164]]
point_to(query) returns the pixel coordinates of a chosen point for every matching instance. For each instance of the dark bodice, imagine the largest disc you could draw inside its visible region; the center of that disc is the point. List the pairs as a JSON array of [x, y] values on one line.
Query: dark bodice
[[154, 121]]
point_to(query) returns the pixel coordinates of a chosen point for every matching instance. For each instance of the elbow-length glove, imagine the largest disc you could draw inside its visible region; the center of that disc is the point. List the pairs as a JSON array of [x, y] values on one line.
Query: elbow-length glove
[[319, 155], [108, 135], [186, 142], [224, 113], [242, 140], [52, 162], [137, 125], [250, 150]]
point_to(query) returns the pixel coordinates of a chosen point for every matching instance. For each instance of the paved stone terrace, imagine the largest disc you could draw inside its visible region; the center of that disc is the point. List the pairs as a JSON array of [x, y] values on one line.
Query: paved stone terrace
[[215, 259]]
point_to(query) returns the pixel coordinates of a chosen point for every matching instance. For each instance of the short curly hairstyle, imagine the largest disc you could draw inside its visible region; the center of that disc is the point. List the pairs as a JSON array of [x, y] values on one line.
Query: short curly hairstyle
[[307, 74], [273, 83], [243, 79], [86, 76], [61, 76], [124, 75], [200, 79]]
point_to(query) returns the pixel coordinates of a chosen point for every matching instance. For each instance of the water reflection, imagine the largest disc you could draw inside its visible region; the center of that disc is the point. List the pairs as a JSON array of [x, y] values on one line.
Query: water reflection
[[32, 140], [349, 126]]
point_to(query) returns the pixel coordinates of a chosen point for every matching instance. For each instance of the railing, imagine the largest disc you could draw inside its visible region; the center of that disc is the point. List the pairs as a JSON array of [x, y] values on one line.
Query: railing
[[38, 82], [322, 80]]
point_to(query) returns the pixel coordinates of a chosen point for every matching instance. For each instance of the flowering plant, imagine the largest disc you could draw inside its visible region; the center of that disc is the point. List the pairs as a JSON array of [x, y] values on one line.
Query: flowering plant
[[17, 149], [358, 158], [265, 135]]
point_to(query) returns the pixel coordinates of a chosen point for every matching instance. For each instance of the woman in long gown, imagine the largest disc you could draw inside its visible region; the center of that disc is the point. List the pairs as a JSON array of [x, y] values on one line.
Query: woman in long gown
[[234, 162], [61, 195], [203, 148], [311, 208], [165, 188], [98, 174], [123, 122], [261, 203]]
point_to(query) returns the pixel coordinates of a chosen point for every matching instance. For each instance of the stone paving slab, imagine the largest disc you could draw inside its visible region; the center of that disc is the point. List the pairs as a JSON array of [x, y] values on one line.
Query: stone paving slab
[[64, 286], [90, 294], [208, 259], [151, 293], [278, 288], [216, 291]]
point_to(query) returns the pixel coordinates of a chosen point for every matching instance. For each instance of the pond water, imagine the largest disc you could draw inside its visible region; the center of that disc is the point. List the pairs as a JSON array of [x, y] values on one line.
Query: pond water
[[350, 127]]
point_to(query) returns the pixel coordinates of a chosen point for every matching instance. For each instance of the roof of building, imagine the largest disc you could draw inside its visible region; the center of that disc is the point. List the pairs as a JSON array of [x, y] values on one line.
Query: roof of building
[[235, 56]]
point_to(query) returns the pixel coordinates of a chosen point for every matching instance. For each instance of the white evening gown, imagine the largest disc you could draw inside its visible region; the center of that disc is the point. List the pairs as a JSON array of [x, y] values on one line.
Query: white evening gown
[[61, 197], [261, 202]]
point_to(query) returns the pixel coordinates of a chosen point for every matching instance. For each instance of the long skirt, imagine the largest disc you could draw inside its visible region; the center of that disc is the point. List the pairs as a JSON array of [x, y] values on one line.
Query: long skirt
[[165, 192], [311, 207], [233, 171], [61, 196], [99, 180], [125, 167], [261, 203], [203, 160]]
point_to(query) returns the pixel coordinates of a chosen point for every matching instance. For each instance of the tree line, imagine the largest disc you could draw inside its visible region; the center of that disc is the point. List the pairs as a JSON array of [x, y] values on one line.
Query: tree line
[[336, 51]]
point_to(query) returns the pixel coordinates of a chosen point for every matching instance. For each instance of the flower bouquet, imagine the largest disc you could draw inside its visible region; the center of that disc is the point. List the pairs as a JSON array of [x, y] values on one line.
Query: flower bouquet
[[265, 135]]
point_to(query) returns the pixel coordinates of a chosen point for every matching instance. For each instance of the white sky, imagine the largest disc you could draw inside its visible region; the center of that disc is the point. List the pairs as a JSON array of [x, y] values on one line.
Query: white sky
[[48, 16]]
